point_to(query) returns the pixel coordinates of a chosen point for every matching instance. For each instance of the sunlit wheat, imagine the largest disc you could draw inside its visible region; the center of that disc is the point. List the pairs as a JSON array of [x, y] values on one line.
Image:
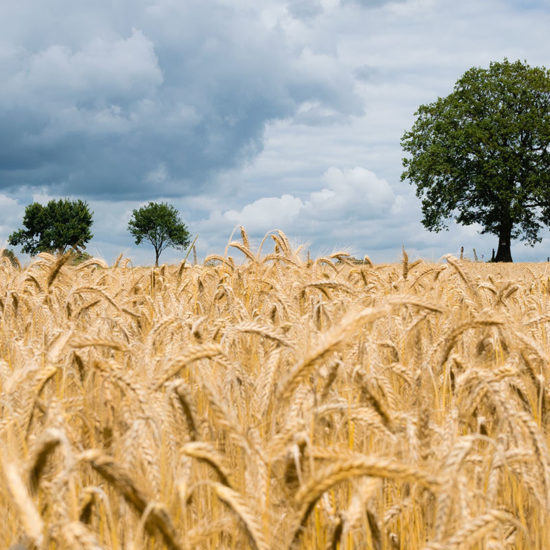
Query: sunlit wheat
[[272, 402]]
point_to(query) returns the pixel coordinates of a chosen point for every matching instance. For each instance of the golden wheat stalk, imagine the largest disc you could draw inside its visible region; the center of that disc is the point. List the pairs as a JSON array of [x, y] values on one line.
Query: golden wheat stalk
[[308, 495], [206, 453], [238, 504], [332, 340], [28, 512], [76, 535], [194, 353], [412, 301], [56, 269], [448, 341], [96, 290], [244, 237], [158, 518], [49, 441], [475, 530], [244, 250], [185, 401], [28, 413], [216, 257], [454, 263], [251, 327], [112, 369], [405, 264], [91, 341]]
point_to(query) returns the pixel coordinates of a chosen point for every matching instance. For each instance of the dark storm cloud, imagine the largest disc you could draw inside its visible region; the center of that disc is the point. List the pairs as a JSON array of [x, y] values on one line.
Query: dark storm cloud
[[147, 98]]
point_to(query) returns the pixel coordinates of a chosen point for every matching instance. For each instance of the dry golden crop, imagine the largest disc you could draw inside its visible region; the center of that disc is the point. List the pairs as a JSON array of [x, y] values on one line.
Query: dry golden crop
[[277, 404]]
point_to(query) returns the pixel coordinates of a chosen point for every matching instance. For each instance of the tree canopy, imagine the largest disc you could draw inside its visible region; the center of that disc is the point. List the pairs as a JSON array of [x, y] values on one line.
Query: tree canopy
[[59, 225], [482, 154], [160, 225]]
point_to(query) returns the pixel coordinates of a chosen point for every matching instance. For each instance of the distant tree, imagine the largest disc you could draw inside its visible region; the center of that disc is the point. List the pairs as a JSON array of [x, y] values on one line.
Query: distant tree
[[482, 154], [56, 227], [159, 224]]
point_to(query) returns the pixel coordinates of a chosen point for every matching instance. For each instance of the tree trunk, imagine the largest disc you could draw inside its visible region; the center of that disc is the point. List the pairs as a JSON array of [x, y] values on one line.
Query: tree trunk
[[504, 252], [157, 254]]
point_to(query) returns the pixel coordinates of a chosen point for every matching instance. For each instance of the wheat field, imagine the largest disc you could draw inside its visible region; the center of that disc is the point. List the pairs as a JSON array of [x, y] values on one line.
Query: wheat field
[[274, 403]]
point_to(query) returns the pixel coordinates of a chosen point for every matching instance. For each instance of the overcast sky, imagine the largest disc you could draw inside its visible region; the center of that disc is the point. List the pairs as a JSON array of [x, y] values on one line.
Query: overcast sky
[[272, 114]]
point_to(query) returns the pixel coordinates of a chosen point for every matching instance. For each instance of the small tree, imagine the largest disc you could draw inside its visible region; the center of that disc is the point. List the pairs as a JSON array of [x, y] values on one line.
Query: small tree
[[482, 154], [159, 224], [59, 225]]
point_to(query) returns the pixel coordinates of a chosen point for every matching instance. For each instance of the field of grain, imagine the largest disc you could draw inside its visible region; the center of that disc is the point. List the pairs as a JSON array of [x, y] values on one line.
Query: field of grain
[[275, 403]]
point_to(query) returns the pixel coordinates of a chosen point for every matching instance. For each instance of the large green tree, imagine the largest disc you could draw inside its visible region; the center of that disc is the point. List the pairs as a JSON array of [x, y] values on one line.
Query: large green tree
[[482, 154], [159, 224], [56, 227]]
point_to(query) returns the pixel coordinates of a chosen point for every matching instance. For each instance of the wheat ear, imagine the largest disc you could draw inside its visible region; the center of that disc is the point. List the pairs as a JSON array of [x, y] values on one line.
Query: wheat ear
[[206, 453], [47, 375], [183, 395], [405, 264], [51, 439], [195, 353], [90, 341], [240, 507], [56, 268], [333, 339], [113, 473], [447, 343], [28, 513], [77, 535], [454, 263], [221, 259], [308, 495], [474, 530], [96, 262], [244, 237], [244, 250], [251, 327], [117, 261]]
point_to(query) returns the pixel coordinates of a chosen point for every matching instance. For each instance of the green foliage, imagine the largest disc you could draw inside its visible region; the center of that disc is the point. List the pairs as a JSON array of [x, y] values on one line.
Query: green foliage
[[59, 225], [482, 155], [159, 224]]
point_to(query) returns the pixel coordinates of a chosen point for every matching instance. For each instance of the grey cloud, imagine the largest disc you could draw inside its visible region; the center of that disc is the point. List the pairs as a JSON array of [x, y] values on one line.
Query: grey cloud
[[372, 3], [304, 9], [148, 99], [10, 212], [531, 4], [367, 73]]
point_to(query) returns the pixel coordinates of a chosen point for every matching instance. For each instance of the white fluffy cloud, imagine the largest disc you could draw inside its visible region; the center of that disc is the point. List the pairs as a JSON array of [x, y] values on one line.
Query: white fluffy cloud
[[345, 197], [354, 192], [266, 213], [347, 194]]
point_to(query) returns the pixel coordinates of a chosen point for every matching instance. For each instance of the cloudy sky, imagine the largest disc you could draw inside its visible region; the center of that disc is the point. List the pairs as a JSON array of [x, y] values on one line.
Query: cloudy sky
[[273, 114]]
